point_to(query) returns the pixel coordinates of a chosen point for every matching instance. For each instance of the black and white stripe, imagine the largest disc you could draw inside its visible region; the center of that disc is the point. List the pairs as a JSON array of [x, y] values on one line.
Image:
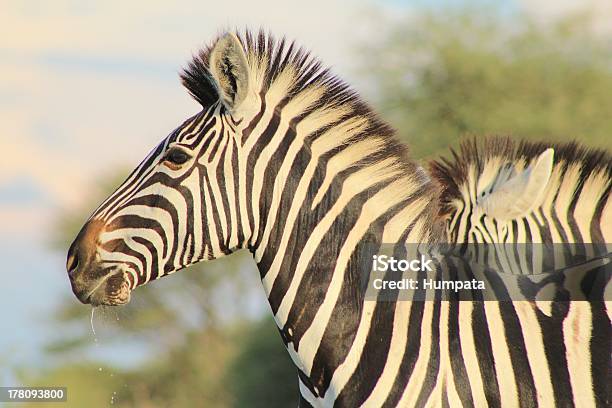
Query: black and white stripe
[[287, 161], [560, 357], [487, 199]]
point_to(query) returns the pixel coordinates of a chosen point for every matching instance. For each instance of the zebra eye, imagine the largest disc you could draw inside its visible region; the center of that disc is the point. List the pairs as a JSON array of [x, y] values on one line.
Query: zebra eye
[[176, 156]]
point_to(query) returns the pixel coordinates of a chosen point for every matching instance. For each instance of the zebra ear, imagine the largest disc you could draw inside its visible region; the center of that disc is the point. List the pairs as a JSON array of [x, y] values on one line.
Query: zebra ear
[[228, 66], [515, 197]]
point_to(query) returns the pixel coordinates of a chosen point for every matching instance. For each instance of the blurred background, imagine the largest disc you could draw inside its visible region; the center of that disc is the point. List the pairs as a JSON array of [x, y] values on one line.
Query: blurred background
[[88, 88]]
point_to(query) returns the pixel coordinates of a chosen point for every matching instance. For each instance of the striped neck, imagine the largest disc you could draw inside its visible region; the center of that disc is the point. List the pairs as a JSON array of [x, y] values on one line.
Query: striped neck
[[321, 184]]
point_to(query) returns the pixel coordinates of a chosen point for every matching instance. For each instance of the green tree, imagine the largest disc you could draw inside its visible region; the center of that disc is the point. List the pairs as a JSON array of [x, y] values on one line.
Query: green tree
[[268, 385], [443, 75]]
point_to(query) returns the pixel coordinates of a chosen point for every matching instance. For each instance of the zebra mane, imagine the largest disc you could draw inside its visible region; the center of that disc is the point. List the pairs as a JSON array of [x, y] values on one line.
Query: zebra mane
[[272, 57], [453, 174]]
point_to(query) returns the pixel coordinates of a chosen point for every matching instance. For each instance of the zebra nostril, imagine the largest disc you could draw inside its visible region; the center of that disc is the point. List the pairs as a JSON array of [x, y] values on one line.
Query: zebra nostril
[[83, 248], [72, 263]]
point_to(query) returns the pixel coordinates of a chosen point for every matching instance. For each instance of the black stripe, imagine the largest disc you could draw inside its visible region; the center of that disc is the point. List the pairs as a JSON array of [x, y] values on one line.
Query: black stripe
[[595, 227], [577, 235], [214, 213], [374, 356], [601, 360], [153, 250], [484, 353], [455, 352], [433, 364], [136, 221], [254, 155], [236, 170], [523, 376], [410, 355], [554, 348], [249, 129], [119, 245], [221, 175]]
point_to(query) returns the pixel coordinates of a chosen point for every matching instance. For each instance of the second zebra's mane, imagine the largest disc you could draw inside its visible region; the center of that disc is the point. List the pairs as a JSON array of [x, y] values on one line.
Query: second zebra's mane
[[574, 168]]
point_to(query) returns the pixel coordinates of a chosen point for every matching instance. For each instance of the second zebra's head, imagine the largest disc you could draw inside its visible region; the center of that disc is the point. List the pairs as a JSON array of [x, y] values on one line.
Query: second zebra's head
[[182, 203], [490, 185]]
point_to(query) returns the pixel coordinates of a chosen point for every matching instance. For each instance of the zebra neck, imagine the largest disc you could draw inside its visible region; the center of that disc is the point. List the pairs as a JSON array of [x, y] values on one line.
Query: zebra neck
[[315, 207], [303, 192]]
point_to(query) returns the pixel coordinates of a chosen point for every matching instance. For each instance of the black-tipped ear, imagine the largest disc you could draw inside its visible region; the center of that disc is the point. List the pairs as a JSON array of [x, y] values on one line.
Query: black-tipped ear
[[228, 66]]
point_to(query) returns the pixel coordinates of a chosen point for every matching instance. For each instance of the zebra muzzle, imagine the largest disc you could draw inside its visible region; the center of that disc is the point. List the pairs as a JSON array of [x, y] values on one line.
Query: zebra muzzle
[[94, 281], [116, 291], [110, 290]]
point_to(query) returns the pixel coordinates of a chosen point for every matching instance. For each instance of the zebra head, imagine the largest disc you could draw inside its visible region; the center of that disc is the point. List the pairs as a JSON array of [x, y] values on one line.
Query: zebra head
[[503, 191], [486, 191], [182, 203]]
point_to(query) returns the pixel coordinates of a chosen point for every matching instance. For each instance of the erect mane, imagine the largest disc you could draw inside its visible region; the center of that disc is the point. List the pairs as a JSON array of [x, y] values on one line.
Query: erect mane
[[453, 173], [300, 76], [270, 58]]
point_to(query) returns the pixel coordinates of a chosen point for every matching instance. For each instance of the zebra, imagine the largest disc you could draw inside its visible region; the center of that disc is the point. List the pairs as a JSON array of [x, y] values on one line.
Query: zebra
[[521, 196], [534, 192], [285, 160], [536, 206]]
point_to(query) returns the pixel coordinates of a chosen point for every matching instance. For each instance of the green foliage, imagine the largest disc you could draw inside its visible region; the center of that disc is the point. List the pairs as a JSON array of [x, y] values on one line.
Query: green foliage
[[263, 382], [238, 365], [442, 76], [88, 385], [189, 375]]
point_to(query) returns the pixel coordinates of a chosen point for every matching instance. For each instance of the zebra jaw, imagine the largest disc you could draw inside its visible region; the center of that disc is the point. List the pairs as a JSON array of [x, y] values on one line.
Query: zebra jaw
[[112, 290]]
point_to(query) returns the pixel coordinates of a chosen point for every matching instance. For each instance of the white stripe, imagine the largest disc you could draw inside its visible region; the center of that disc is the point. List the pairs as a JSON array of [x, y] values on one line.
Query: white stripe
[[577, 333], [501, 355]]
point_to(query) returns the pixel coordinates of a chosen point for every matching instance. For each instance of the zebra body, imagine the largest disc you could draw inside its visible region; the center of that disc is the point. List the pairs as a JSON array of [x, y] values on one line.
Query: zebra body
[[568, 212], [286, 160]]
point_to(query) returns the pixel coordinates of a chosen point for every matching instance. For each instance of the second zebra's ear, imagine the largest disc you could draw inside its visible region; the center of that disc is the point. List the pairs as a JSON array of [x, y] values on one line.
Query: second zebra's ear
[[229, 69], [517, 196]]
